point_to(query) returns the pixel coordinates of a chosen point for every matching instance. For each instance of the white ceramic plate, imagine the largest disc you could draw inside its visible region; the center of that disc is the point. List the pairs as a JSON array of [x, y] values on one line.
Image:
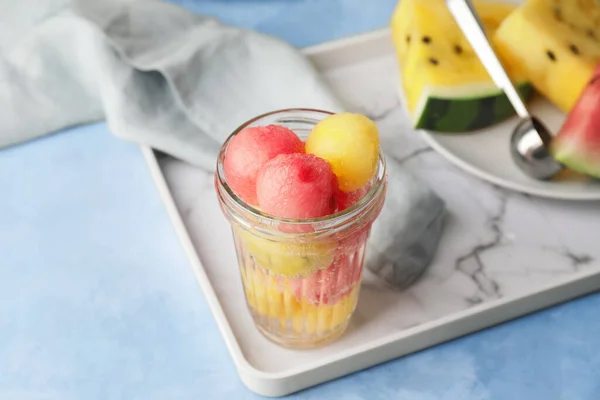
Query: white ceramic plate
[[486, 154]]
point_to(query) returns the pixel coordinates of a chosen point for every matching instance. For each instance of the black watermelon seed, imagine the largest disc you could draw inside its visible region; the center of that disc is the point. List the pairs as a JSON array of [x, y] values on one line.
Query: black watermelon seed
[[558, 14], [574, 49], [458, 49], [434, 61], [426, 39], [551, 55], [407, 38]]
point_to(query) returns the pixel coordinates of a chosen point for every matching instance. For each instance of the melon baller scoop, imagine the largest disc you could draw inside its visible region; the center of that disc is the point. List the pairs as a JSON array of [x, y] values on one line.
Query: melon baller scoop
[[530, 139]]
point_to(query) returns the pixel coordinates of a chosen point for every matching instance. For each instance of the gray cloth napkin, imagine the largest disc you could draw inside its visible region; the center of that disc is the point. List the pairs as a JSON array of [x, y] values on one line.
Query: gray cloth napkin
[[159, 75], [405, 237], [180, 83]]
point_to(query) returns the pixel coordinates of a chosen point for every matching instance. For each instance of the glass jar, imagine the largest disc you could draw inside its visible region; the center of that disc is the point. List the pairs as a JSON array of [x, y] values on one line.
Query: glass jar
[[301, 278]]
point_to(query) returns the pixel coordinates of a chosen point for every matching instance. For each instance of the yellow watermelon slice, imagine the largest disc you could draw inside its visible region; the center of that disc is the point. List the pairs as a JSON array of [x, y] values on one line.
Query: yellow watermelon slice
[[447, 89], [555, 44]]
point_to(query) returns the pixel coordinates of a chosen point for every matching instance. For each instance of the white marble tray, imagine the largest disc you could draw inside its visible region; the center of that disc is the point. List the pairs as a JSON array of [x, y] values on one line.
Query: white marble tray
[[503, 254]]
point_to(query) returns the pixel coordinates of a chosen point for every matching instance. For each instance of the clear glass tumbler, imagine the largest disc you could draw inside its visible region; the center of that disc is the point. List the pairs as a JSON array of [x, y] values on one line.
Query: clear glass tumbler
[[301, 278]]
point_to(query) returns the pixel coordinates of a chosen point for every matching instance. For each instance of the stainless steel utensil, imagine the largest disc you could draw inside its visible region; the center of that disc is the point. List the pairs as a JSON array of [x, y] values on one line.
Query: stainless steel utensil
[[530, 139]]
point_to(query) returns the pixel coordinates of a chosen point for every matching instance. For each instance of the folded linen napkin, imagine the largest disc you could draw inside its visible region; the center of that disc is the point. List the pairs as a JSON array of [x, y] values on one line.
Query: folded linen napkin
[[180, 83]]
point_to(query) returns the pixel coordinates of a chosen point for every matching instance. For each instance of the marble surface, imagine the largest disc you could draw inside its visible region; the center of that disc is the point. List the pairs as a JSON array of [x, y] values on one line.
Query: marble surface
[[497, 244], [99, 302]]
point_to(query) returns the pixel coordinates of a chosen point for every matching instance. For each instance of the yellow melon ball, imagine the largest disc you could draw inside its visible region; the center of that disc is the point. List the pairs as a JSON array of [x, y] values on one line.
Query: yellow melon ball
[[350, 144], [287, 258]]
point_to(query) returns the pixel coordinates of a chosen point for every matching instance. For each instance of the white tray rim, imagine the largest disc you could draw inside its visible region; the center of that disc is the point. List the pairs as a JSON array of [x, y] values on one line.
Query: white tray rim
[[488, 314]]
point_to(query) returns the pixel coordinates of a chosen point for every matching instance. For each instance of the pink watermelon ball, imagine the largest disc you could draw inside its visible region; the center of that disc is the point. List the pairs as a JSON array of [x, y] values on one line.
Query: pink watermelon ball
[[331, 284], [249, 150], [297, 186], [320, 287], [344, 200]]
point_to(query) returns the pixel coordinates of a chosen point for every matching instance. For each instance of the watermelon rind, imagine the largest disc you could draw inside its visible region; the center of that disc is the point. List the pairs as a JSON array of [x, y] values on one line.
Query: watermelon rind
[[568, 152], [464, 109]]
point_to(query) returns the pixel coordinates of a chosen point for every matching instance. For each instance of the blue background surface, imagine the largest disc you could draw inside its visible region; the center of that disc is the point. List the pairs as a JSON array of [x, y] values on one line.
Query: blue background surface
[[97, 300]]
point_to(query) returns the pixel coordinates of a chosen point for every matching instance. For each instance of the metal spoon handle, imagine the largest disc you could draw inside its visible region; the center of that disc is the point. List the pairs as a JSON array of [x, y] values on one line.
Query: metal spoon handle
[[467, 19]]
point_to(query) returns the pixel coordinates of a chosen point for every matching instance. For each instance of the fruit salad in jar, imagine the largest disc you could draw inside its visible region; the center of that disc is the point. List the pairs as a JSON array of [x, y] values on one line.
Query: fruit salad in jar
[[300, 189]]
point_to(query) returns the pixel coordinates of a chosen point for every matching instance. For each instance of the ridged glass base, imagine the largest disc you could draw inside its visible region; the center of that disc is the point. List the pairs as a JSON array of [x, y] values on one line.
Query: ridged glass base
[[301, 296], [304, 342], [300, 324]]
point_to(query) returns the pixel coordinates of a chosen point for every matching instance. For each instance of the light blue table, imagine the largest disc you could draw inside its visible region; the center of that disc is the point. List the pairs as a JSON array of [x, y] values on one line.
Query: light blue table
[[97, 300]]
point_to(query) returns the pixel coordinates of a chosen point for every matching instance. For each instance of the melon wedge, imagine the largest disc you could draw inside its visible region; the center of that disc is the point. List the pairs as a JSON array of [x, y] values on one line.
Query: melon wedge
[[577, 144], [555, 44], [446, 87]]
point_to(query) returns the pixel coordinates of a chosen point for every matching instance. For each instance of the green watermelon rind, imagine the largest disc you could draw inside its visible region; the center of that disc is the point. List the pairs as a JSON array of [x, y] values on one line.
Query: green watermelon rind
[[566, 152], [459, 110]]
